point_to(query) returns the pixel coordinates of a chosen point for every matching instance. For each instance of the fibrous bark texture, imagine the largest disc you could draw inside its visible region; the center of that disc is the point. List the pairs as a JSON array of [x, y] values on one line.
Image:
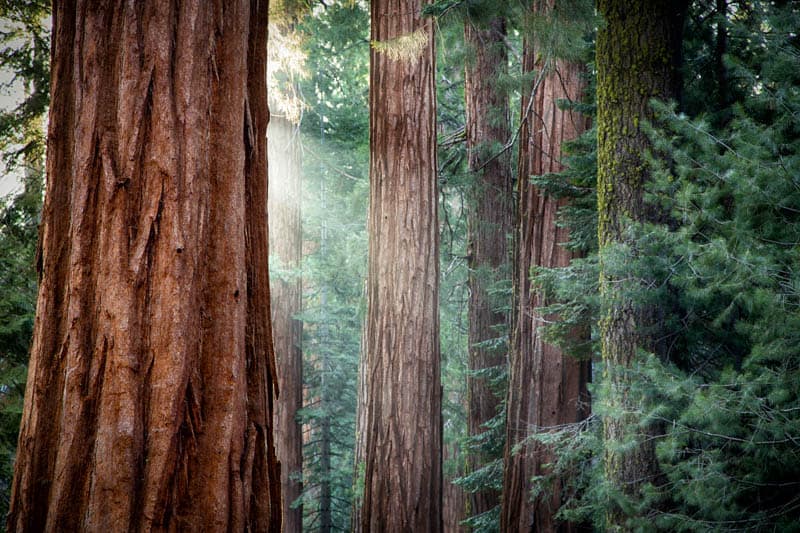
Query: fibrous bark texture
[[454, 499], [638, 51], [403, 469], [149, 398], [547, 388], [286, 301], [489, 222], [360, 450]]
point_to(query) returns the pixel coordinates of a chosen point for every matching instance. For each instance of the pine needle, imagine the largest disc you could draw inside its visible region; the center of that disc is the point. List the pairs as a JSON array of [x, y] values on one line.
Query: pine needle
[[404, 48]]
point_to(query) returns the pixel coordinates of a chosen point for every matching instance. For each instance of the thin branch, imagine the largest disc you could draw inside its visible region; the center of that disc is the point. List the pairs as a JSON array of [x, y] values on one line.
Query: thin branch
[[524, 118]]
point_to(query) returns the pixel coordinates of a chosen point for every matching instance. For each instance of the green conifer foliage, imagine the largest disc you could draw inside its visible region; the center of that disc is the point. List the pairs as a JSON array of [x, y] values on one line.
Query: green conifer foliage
[[731, 397], [335, 182], [19, 221], [722, 267], [25, 59]]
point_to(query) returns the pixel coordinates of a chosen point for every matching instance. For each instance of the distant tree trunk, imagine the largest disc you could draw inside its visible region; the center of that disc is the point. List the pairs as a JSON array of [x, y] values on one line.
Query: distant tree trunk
[[325, 519], [286, 241], [638, 51], [149, 398], [720, 49], [547, 388], [360, 452], [403, 470], [454, 499], [488, 224]]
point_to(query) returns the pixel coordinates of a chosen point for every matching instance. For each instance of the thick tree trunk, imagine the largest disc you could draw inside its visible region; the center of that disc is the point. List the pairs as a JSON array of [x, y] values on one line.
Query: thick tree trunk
[[638, 50], [547, 388], [149, 399], [286, 292], [403, 469], [489, 223]]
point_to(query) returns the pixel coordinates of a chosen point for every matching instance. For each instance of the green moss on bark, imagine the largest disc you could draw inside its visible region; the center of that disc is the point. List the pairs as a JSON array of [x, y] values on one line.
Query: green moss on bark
[[636, 62]]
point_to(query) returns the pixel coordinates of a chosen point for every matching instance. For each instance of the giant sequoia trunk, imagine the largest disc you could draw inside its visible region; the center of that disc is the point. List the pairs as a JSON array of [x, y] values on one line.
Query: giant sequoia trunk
[[286, 299], [547, 388], [403, 469], [489, 223], [149, 399], [638, 50]]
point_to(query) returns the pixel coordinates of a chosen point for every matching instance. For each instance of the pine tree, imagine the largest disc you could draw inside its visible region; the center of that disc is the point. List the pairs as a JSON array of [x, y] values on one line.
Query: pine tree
[[637, 60], [152, 354], [335, 146], [726, 262]]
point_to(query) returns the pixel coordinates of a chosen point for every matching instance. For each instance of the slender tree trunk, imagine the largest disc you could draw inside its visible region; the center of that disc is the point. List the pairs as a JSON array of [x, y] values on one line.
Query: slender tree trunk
[[454, 499], [720, 49], [403, 470], [547, 388], [286, 291], [325, 519], [149, 399], [489, 223], [360, 452], [638, 50]]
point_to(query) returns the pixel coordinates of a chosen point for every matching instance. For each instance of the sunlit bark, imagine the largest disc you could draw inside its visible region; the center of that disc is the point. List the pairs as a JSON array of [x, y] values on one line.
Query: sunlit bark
[[286, 245], [403, 468], [149, 399]]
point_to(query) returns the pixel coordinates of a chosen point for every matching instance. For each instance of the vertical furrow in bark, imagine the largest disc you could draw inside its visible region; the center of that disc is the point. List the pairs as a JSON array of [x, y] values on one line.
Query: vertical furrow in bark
[[403, 449], [264, 493], [91, 348], [547, 388], [171, 287], [148, 404], [223, 398], [39, 435]]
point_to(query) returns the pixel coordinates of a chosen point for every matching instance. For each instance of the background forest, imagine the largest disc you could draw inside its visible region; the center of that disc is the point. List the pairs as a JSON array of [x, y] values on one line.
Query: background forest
[[705, 404]]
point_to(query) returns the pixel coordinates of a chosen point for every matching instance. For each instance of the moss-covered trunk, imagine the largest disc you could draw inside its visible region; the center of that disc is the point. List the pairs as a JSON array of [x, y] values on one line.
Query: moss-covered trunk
[[638, 51], [149, 399]]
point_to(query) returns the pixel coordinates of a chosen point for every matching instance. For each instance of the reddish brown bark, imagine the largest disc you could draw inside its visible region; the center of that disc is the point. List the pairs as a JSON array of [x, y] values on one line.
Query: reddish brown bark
[[454, 499], [547, 388], [149, 399], [403, 469], [488, 223], [360, 451], [286, 300]]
